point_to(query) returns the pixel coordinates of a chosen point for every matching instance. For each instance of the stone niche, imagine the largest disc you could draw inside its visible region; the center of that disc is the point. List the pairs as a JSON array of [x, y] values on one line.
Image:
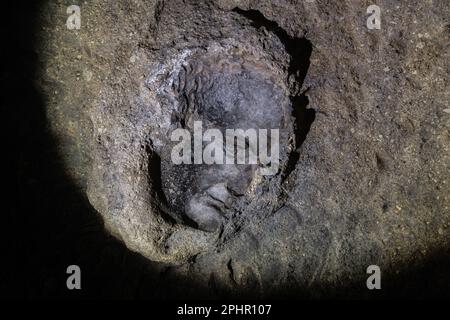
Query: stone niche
[[227, 69]]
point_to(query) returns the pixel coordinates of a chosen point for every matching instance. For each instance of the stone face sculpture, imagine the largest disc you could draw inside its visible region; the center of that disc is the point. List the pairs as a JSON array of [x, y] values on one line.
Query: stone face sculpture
[[226, 83], [224, 88]]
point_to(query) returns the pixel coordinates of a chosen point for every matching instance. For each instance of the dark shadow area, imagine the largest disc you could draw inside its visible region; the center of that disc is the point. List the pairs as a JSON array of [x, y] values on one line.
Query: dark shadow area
[[299, 50], [304, 118], [428, 278], [51, 225]]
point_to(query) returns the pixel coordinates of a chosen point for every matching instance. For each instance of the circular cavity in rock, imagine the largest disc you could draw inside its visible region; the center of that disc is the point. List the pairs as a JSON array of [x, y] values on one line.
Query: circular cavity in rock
[[235, 78]]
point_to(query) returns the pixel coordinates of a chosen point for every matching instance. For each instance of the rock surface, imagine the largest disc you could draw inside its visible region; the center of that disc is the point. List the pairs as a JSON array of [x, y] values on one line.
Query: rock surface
[[367, 183]]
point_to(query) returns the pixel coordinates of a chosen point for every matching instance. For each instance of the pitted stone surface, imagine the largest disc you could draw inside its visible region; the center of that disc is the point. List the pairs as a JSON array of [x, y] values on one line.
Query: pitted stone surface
[[369, 185]]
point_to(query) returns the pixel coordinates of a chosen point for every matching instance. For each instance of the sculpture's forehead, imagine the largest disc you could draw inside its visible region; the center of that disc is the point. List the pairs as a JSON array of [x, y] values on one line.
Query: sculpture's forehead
[[230, 88], [244, 99]]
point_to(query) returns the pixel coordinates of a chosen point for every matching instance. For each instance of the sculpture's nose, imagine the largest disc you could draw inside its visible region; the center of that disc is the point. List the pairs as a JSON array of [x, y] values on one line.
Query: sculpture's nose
[[219, 192], [204, 211]]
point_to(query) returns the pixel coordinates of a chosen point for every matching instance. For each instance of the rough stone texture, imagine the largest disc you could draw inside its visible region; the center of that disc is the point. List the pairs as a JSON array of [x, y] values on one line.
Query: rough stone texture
[[369, 184]]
